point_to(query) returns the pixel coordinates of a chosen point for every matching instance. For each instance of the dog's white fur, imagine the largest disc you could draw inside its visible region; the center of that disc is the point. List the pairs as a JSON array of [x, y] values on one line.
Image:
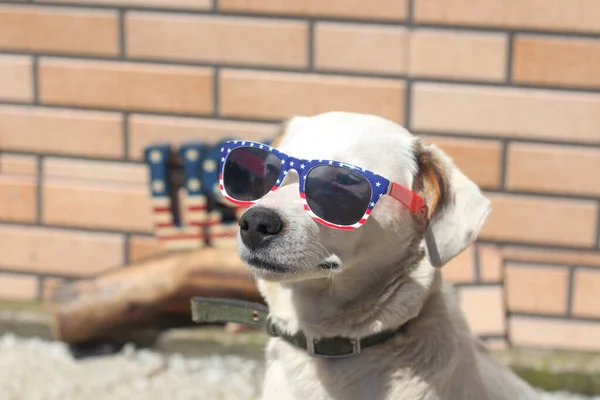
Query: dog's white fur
[[384, 279]]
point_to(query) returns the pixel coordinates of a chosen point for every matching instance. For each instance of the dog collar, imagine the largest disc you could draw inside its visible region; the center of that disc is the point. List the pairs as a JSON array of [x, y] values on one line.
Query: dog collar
[[207, 310]]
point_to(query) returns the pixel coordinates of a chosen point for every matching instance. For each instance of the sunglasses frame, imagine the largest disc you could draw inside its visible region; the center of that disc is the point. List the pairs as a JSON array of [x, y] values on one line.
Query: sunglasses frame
[[380, 186]]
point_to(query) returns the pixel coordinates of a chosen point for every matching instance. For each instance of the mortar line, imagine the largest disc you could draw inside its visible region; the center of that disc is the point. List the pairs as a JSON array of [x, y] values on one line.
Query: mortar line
[[126, 249], [216, 88], [476, 284], [39, 192], [598, 226], [554, 317], [324, 71], [35, 81], [552, 265], [303, 17], [125, 135], [536, 246], [509, 57], [503, 265], [540, 265], [466, 135], [116, 231], [536, 194], [74, 229], [122, 37], [570, 291], [491, 337], [311, 46], [43, 275], [476, 265], [75, 157], [40, 288], [204, 116], [408, 77], [408, 104], [504, 155]]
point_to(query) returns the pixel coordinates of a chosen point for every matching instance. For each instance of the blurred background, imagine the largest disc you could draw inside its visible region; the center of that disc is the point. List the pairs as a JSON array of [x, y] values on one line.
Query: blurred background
[[509, 88]]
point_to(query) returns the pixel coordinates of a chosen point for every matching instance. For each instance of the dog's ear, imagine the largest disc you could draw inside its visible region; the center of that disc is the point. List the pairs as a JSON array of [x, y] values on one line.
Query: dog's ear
[[457, 208], [286, 130]]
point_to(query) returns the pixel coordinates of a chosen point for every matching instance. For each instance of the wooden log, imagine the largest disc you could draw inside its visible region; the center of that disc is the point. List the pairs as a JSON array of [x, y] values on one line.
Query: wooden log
[[154, 292]]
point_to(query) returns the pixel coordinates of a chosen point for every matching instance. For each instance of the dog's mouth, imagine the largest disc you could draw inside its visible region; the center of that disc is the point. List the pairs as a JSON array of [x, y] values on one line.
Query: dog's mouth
[[267, 266], [331, 263]]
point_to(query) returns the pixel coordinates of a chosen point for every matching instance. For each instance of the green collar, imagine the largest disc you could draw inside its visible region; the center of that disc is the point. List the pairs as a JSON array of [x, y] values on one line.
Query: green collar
[[207, 310]]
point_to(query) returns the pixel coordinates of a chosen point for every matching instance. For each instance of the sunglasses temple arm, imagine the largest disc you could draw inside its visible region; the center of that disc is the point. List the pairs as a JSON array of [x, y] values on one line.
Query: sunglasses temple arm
[[411, 200], [416, 204]]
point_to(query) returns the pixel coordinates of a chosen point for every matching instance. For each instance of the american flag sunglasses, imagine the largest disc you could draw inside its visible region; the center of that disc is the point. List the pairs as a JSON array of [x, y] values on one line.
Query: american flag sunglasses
[[336, 194]]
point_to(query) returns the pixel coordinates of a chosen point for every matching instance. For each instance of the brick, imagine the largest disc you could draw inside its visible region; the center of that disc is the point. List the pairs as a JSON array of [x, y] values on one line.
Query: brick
[[496, 344], [57, 131], [145, 130], [58, 251], [460, 269], [59, 30], [450, 54], [360, 47], [484, 309], [490, 263], [585, 258], [280, 95], [510, 112], [554, 333], [143, 247], [377, 9], [542, 168], [17, 287], [539, 220], [556, 61], [15, 78], [96, 171], [480, 160], [536, 289], [18, 196], [18, 188], [125, 85], [564, 15], [120, 200], [96, 206], [229, 40], [166, 4], [586, 292], [15, 164]]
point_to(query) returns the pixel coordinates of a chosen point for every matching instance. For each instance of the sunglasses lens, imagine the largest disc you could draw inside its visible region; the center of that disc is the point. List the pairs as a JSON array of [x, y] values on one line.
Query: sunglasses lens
[[250, 173], [337, 195]]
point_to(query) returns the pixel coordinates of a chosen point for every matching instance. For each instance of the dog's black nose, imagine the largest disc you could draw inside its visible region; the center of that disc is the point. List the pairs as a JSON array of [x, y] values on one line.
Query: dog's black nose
[[258, 226]]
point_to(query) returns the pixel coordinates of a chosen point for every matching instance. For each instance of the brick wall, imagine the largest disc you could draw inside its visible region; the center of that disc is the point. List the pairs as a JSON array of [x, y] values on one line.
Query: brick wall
[[509, 88]]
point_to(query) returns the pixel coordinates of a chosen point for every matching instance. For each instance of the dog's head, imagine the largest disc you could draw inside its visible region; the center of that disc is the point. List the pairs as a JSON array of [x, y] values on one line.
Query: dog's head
[[295, 247]]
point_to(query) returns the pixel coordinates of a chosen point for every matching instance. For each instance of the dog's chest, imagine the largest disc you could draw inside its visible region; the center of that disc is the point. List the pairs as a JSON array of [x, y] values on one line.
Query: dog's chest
[[367, 377]]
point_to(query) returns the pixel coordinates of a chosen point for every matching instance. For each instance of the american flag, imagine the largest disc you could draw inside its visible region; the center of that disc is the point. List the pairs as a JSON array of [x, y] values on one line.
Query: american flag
[[188, 208]]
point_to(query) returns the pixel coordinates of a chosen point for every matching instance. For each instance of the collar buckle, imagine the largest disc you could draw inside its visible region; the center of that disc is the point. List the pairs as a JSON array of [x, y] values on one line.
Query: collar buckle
[[310, 349]]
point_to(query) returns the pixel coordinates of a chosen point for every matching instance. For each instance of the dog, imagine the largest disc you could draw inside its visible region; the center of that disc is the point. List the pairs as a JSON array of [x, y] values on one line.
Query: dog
[[384, 276]]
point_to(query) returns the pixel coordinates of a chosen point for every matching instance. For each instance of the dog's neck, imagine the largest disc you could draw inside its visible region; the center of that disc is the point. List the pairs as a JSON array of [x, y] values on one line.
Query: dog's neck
[[358, 302]]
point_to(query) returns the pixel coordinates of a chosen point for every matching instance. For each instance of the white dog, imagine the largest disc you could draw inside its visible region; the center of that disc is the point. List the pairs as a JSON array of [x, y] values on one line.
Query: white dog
[[381, 278]]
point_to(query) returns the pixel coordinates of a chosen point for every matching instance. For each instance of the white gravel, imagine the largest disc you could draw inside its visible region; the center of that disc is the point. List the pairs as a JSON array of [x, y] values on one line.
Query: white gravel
[[32, 369]]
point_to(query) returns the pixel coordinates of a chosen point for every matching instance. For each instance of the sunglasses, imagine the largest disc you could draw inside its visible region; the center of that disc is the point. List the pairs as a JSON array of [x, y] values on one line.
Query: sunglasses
[[334, 193]]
